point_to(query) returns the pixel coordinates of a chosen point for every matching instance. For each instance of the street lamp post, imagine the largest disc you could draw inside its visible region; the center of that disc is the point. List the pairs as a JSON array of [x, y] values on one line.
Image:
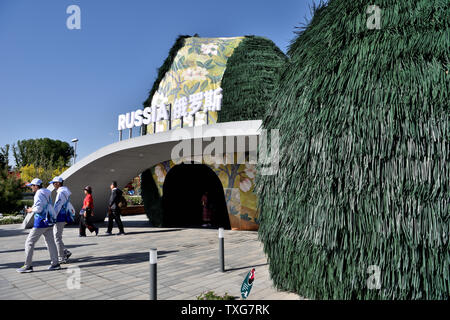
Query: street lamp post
[[75, 150]]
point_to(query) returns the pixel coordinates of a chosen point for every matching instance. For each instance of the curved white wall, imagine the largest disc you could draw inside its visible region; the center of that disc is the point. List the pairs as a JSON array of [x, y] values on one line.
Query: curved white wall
[[124, 160]]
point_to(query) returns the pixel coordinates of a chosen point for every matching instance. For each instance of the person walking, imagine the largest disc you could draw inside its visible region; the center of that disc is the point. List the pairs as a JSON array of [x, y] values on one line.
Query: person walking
[[43, 225], [114, 209], [206, 216], [87, 212], [63, 217]]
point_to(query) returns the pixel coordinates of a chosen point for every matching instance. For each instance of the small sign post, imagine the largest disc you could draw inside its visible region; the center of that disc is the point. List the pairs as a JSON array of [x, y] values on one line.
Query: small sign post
[[247, 284]]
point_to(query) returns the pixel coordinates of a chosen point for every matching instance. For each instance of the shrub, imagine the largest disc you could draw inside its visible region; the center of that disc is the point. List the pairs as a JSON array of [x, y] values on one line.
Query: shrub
[[10, 192], [210, 295], [134, 200], [11, 219]]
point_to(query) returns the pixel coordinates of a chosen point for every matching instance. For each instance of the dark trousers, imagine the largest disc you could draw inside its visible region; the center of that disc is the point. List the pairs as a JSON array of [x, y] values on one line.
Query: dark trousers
[[114, 215], [86, 222]]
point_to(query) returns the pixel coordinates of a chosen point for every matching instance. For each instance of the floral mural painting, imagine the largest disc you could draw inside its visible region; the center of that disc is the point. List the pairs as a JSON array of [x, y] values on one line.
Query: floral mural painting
[[238, 183], [197, 68]]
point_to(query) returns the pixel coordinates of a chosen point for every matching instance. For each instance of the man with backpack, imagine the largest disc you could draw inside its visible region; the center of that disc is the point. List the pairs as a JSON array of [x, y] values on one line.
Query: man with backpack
[[63, 216], [43, 225], [114, 209]]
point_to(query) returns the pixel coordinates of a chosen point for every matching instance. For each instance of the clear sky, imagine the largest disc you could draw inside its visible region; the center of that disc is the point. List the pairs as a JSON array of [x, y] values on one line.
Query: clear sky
[[64, 84]]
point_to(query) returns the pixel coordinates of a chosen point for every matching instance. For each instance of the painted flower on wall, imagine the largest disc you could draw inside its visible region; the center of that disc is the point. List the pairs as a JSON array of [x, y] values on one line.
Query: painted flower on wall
[[159, 173], [250, 171], [210, 49], [245, 185], [159, 99], [197, 73], [210, 160], [161, 126], [229, 158]]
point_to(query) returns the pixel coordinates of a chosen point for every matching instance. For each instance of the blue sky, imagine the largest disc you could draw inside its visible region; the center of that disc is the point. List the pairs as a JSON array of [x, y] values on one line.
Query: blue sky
[[64, 84]]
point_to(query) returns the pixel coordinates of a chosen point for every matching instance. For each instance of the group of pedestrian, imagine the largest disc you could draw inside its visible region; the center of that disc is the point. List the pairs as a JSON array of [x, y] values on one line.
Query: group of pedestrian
[[52, 226]]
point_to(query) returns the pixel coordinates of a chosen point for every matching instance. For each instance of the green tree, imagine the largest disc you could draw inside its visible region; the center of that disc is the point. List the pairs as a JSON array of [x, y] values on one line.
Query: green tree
[[46, 174], [4, 157], [10, 191], [42, 153]]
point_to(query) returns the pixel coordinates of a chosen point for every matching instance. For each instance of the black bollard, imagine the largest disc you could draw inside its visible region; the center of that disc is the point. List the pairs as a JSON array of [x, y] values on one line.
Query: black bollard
[[221, 251], [153, 263]]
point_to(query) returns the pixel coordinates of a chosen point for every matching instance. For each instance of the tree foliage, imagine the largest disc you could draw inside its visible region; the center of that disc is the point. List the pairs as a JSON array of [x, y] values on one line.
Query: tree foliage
[[46, 174], [42, 153], [10, 191], [363, 180], [4, 157]]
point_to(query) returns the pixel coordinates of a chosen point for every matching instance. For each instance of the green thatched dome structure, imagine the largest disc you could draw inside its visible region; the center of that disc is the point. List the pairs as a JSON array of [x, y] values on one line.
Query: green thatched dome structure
[[363, 184], [244, 72], [248, 80]]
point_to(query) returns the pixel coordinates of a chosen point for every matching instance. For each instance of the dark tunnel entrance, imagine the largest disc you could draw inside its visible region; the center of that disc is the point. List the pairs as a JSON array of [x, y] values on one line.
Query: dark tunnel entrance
[[183, 191]]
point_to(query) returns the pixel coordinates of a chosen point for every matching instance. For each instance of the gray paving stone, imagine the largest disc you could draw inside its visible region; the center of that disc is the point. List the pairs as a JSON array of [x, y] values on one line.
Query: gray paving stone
[[118, 267]]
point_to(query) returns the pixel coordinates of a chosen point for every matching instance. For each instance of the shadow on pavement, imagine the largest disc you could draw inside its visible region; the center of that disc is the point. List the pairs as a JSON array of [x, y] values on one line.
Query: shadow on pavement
[[129, 224], [13, 232], [127, 233], [126, 258], [248, 267], [155, 231], [45, 248]]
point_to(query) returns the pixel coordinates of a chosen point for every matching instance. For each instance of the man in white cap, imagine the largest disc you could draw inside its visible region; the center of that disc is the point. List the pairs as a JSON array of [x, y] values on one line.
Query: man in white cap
[[43, 225], [63, 216]]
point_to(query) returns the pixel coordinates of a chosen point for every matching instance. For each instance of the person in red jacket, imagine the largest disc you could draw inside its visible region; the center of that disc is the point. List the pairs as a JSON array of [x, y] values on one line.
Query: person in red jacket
[[86, 213]]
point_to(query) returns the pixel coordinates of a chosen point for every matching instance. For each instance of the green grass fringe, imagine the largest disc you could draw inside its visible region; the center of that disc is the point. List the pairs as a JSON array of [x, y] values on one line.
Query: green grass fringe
[[151, 198], [250, 79], [364, 153]]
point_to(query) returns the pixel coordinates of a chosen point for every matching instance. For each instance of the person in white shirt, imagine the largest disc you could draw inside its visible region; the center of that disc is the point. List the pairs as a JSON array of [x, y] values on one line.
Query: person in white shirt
[[43, 225], [63, 217]]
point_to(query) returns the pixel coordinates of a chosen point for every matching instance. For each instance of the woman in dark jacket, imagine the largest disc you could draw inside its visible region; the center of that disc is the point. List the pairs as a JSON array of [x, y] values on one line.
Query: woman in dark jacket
[[86, 213]]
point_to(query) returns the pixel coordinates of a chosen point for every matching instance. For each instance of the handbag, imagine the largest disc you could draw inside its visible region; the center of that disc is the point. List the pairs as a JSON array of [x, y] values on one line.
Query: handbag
[[122, 202], [28, 222]]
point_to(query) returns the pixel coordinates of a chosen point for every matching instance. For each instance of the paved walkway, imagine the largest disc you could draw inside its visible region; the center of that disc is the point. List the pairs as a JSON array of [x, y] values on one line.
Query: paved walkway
[[117, 267]]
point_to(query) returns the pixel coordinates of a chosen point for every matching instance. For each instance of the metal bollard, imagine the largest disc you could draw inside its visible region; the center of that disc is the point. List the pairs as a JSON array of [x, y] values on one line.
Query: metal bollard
[[153, 263], [221, 251]]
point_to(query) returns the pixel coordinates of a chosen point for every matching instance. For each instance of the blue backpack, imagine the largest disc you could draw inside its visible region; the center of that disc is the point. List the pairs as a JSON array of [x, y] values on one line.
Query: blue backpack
[[70, 211], [50, 214]]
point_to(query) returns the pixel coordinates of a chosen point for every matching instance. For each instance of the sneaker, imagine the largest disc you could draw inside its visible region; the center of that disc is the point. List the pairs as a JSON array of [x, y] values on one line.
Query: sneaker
[[25, 269], [66, 258], [82, 236], [55, 267], [68, 254], [107, 233], [120, 233]]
